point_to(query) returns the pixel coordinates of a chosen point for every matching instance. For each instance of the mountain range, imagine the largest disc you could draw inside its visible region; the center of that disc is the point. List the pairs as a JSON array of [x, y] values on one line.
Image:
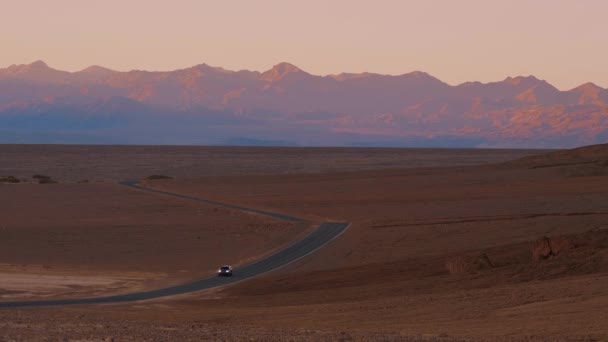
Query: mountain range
[[288, 106]]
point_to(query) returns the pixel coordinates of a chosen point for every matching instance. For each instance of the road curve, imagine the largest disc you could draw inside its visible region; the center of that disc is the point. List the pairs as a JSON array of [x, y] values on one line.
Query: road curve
[[325, 233]]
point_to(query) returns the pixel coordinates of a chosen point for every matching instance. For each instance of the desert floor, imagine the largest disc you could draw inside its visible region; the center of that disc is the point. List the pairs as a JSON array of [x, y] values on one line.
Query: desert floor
[[75, 163], [436, 252]]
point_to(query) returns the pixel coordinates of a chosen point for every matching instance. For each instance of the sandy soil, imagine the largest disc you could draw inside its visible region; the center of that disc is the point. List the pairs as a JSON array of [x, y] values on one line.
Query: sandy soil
[[97, 234], [73, 163], [388, 272], [392, 275], [24, 283]]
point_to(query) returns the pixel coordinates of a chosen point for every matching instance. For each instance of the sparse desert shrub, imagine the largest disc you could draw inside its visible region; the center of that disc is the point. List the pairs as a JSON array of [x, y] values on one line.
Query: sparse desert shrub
[[9, 179], [546, 247], [156, 177], [42, 179], [470, 263]]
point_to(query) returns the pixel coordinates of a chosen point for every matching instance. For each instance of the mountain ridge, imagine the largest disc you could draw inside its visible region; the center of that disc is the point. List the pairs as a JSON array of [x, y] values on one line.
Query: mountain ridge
[[286, 101], [510, 79]]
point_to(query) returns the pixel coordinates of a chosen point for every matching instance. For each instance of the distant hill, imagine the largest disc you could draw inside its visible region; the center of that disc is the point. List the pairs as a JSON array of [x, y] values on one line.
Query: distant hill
[[594, 154], [257, 142], [287, 105]]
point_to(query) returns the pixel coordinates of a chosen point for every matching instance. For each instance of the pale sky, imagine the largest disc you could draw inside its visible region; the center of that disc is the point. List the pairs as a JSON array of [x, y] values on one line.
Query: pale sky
[[562, 41]]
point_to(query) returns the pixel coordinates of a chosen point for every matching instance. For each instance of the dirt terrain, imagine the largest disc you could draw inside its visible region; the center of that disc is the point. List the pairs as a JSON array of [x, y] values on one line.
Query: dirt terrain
[[76, 163], [513, 251], [84, 239]]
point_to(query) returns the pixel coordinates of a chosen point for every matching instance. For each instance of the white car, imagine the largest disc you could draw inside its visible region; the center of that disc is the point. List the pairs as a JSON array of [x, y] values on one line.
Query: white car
[[225, 271]]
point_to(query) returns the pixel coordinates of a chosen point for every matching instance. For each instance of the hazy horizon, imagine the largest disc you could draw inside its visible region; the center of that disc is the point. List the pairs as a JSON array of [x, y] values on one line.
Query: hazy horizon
[[562, 42], [479, 55]]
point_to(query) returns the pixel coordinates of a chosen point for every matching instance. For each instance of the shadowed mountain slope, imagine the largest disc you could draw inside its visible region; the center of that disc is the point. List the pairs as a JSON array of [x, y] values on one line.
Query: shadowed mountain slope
[[287, 103]]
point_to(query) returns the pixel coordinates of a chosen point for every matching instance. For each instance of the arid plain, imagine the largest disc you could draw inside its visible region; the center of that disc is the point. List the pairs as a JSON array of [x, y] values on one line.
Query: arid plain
[[445, 245]]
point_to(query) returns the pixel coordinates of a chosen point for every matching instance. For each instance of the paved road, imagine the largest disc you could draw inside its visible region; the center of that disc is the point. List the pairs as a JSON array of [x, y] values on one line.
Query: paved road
[[325, 233]]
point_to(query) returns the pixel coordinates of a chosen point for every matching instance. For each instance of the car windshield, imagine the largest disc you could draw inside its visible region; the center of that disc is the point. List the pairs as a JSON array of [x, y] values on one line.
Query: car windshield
[[225, 267]]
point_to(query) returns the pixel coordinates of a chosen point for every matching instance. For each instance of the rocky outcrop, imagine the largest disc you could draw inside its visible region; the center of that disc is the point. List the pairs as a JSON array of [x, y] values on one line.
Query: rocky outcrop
[[469, 263], [546, 247]]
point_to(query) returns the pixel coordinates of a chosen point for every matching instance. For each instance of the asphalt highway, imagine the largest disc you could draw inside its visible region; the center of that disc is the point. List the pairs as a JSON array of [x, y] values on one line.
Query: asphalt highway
[[325, 233]]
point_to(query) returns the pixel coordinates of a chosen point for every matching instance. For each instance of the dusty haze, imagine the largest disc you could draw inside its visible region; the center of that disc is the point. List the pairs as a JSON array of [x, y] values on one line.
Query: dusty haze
[[561, 41]]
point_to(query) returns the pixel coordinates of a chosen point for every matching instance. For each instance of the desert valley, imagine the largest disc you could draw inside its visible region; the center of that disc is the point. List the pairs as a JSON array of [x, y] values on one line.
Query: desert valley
[[345, 170], [463, 245]]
